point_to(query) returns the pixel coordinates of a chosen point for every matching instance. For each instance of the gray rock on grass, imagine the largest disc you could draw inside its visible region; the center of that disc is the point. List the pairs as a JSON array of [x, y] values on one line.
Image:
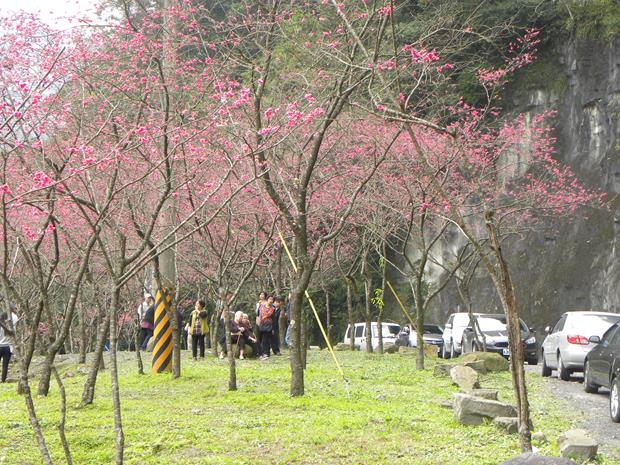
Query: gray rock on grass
[[465, 377], [577, 444], [509, 425], [472, 410], [489, 394]]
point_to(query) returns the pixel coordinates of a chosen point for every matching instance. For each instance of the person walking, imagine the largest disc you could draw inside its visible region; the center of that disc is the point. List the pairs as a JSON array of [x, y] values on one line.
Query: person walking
[[7, 329], [265, 326], [147, 320], [198, 328], [287, 336], [262, 298], [278, 304]]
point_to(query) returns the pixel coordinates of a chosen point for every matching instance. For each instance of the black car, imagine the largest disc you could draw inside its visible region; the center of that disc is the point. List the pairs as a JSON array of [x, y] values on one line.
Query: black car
[[602, 368], [431, 334], [493, 327]]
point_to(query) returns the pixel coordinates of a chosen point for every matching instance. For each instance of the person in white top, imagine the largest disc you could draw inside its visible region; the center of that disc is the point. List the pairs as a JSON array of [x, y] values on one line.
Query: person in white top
[[7, 329], [144, 306]]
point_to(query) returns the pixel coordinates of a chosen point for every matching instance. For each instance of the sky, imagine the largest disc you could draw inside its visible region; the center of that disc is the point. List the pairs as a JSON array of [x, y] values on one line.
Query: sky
[[50, 10]]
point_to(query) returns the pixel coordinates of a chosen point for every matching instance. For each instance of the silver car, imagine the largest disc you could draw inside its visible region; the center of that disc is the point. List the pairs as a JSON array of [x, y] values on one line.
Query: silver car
[[567, 343]]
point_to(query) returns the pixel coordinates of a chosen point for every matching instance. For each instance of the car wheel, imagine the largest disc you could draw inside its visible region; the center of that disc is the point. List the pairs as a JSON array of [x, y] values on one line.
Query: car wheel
[[563, 372], [546, 371], [614, 400], [444, 351], [588, 385]]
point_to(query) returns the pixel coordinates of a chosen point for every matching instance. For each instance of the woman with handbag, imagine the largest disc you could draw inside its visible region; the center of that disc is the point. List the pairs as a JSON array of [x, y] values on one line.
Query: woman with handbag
[[198, 328], [265, 326]]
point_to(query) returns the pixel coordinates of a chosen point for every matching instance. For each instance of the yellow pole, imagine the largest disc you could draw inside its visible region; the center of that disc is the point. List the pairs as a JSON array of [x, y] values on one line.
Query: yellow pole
[[316, 315], [162, 350], [402, 307]]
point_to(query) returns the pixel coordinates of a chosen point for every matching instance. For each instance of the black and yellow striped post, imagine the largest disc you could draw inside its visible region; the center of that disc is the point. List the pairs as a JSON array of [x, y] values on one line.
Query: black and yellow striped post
[[162, 350]]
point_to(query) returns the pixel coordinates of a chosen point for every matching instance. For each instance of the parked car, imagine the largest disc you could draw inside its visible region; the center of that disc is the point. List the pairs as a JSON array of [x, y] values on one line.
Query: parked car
[[390, 334], [453, 334], [601, 368], [493, 327], [431, 334], [461, 336], [569, 341]]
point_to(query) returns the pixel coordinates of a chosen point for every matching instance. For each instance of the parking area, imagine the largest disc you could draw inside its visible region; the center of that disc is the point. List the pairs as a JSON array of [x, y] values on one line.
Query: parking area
[[593, 407]]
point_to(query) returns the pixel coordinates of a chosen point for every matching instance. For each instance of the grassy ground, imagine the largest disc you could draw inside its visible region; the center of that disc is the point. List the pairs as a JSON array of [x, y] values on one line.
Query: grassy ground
[[393, 416]]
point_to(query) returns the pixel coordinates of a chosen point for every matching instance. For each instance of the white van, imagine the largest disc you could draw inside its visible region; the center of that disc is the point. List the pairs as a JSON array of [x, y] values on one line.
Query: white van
[[453, 334], [389, 333]]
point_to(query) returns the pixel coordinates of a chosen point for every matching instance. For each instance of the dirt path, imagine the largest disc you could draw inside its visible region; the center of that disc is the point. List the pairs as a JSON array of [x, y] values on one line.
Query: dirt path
[[593, 407]]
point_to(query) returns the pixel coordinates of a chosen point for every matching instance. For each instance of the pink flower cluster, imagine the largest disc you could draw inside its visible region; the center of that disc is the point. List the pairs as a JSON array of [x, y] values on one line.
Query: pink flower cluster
[[421, 55]]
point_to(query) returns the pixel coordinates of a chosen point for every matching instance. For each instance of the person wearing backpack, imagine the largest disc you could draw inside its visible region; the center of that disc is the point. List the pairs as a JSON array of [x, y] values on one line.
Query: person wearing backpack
[[265, 326], [198, 328]]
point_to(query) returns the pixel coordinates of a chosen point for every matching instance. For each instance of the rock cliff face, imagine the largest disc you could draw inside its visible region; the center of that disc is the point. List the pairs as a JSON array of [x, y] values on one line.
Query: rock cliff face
[[578, 265]]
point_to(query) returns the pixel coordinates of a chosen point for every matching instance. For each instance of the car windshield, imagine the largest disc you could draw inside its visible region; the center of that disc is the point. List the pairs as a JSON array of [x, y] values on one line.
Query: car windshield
[[388, 330], [491, 324], [592, 323], [502, 319], [432, 329]]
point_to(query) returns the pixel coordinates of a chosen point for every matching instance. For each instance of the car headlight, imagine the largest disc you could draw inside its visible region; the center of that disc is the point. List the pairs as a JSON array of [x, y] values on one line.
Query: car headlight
[[531, 340]]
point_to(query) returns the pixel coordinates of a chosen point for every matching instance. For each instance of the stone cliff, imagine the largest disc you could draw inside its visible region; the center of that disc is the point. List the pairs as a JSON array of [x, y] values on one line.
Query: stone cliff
[[577, 266]]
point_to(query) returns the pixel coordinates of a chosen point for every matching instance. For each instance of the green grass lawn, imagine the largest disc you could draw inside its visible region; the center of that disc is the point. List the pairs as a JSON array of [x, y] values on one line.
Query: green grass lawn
[[393, 416]]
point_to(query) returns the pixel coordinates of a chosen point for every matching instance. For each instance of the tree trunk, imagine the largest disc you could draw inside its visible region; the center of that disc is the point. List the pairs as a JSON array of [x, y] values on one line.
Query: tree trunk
[[328, 315], [350, 311], [368, 308], [380, 334], [504, 285], [176, 337], [116, 396], [419, 359], [304, 330], [88, 393], [381, 305], [215, 324], [83, 338], [297, 368], [34, 422], [136, 341], [232, 372], [416, 289], [63, 416]]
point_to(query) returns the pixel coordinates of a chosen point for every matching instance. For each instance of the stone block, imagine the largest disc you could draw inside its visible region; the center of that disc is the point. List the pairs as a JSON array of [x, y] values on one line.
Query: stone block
[[492, 361], [472, 410], [443, 369], [489, 394], [539, 436], [477, 365], [577, 444], [507, 424], [465, 377]]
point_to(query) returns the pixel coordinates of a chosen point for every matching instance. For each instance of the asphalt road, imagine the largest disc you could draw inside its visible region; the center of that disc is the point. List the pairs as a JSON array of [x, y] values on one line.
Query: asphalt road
[[593, 407]]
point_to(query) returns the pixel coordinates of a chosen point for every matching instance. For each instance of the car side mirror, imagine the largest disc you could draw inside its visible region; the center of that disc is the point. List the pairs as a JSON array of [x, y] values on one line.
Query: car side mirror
[[548, 330], [595, 339], [448, 326]]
